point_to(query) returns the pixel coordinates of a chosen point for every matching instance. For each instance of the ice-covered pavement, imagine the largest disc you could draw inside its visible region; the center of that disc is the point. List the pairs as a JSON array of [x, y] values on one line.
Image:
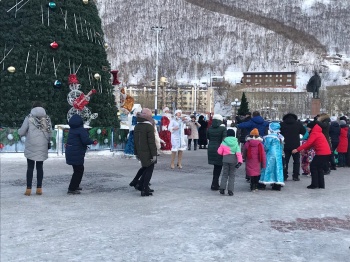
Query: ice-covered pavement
[[183, 221]]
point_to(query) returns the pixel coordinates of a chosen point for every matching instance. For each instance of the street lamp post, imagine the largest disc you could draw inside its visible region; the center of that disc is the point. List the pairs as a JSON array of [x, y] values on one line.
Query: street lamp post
[[235, 104], [195, 85], [157, 29]]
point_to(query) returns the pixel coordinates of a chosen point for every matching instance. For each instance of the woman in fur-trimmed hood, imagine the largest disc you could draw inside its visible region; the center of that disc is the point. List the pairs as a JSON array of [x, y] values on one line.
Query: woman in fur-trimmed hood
[[36, 128], [273, 145]]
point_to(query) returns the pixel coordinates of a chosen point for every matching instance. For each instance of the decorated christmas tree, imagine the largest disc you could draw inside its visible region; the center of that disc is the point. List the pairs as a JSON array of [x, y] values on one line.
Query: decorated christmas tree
[[42, 43]]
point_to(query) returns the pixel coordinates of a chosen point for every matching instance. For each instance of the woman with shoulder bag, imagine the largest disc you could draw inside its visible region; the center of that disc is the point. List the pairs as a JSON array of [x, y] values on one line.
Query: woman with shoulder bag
[[193, 126], [36, 128]]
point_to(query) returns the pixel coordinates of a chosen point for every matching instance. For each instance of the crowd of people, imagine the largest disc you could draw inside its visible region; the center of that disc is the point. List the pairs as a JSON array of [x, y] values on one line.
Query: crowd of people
[[316, 146]]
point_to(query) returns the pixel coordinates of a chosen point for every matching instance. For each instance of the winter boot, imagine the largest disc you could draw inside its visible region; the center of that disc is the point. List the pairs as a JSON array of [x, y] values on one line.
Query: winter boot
[[189, 145], [179, 159], [39, 191], [230, 193], [222, 191], [173, 155], [28, 192]]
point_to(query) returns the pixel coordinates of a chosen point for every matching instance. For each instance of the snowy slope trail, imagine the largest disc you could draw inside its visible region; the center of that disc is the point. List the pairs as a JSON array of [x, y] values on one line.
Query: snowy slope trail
[[291, 33]]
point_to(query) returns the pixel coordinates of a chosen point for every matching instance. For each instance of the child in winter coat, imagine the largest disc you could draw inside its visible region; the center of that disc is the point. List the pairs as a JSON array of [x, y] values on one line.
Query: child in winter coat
[[273, 145], [232, 159], [77, 142], [255, 158], [343, 143], [306, 155], [318, 141]]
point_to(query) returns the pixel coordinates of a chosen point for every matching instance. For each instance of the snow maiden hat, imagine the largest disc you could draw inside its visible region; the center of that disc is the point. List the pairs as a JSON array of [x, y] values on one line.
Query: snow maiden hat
[[166, 109], [274, 127], [218, 117], [178, 111]]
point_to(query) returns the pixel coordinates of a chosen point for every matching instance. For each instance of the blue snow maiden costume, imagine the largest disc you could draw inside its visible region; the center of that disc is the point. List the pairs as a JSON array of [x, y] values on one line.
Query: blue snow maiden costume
[[273, 145]]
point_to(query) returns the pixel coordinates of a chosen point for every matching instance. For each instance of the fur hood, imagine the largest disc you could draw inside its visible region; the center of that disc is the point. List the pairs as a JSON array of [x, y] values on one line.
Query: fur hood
[[324, 118]]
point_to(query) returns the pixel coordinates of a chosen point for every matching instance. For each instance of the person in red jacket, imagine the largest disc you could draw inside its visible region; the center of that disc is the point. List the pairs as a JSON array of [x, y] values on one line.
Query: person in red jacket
[[318, 141], [343, 143]]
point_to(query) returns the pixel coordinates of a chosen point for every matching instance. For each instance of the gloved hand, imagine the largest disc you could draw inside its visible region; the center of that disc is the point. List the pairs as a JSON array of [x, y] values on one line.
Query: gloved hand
[[154, 159], [137, 157], [238, 165]]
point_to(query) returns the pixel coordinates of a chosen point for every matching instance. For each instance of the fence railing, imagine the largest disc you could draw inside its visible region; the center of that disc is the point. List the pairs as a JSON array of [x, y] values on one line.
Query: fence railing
[[105, 138]]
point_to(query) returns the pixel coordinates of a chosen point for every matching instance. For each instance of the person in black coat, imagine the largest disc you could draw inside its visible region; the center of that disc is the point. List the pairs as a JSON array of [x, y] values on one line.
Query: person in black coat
[[243, 133], [334, 133], [291, 129], [202, 132], [77, 142]]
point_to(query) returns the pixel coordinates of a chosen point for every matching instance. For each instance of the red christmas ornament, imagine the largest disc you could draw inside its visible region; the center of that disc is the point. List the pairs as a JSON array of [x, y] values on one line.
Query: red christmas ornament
[[95, 142], [115, 145], [54, 45], [104, 132], [1, 146]]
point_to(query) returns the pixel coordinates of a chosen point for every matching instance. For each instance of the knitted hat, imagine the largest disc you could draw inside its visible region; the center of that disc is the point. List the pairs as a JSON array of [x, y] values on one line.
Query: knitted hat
[[275, 127], [147, 112], [342, 122], [178, 111], [254, 132], [311, 124], [333, 118], [230, 132], [218, 117]]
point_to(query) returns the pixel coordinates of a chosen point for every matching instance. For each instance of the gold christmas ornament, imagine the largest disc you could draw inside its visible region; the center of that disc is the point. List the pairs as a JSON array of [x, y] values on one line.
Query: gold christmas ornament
[[86, 1], [11, 69], [97, 76]]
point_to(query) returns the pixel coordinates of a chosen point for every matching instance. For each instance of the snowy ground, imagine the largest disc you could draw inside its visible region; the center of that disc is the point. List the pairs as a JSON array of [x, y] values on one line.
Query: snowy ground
[[183, 221]]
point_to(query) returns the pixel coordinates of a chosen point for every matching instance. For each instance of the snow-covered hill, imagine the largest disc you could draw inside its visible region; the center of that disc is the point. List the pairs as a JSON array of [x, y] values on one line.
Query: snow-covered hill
[[226, 37]]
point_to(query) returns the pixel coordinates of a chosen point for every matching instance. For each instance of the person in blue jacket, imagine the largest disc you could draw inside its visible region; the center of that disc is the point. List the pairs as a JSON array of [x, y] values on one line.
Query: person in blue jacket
[[77, 142], [255, 122]]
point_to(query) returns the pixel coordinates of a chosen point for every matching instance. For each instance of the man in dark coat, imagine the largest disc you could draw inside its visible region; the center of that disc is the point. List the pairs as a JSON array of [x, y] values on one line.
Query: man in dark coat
[[243, 132], [202, 132], [334, 133], [145, 149], [256, 122], [216, 133], [77, 142], [291, 129]]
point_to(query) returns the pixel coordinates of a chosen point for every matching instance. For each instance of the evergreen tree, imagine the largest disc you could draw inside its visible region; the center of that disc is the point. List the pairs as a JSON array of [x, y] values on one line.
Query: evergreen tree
[[28, 32], [243, 109]]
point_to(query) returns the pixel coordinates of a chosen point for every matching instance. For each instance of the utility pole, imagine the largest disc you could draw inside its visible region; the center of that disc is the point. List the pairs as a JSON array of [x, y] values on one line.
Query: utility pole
[[157, 29]]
